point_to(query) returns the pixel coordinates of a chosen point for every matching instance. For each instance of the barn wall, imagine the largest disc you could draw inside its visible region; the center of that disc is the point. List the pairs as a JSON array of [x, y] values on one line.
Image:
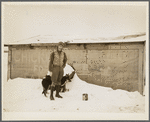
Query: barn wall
[[118, 65], [30, 62]]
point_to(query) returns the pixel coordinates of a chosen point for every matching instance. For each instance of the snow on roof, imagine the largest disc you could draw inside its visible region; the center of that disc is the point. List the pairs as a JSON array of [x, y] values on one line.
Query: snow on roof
[[80, 39]]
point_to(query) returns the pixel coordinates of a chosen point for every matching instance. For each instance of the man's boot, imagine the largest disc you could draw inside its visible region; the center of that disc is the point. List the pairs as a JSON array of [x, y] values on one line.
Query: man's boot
[[57, 91], [51, 95], [44, 92]]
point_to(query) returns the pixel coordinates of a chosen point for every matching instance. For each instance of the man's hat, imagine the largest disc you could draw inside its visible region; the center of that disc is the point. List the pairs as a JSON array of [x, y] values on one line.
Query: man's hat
[[61, 43]]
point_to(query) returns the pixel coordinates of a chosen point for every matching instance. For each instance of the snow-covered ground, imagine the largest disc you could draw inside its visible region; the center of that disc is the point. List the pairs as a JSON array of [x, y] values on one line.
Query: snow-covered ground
[[25, 95]]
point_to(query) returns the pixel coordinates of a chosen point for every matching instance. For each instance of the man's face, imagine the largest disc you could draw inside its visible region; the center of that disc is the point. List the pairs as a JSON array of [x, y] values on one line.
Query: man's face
[[60, 47]]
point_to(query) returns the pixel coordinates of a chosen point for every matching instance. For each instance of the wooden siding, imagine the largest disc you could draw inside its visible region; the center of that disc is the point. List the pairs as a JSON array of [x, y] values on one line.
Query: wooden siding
[[114, 68], [118, 65], [30, 63]]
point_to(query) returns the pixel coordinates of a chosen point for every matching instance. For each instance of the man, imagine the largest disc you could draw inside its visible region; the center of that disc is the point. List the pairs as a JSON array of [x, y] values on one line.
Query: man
[[58, 61]]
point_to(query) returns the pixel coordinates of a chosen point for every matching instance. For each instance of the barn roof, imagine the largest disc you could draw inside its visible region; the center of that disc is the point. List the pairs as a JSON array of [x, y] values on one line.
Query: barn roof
[[47, 39]]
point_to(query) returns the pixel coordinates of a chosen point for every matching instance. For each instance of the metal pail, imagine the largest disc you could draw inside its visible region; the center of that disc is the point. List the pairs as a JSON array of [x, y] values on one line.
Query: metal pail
[[85, 97]]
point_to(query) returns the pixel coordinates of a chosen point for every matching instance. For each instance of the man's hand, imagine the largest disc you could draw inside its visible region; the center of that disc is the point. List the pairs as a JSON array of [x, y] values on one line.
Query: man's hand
[[49, 73]]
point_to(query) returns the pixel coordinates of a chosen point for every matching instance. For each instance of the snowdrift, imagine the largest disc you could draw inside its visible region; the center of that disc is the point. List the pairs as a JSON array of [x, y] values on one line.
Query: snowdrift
[[25, 95]]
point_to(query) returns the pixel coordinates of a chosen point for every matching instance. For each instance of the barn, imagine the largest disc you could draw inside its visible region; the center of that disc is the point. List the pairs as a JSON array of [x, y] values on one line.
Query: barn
[[116, 62]]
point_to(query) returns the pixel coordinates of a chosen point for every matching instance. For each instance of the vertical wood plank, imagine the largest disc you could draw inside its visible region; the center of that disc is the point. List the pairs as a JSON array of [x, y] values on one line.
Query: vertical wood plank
[[9, 63], [144, 61], [140, 73]]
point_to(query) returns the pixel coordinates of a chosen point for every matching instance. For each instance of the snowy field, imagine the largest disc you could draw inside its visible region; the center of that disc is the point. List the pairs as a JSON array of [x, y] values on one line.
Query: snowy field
[[25, 95]]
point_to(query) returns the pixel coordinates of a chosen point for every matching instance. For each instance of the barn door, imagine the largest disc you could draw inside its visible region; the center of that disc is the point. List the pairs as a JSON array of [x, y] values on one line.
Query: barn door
[[113, 68]]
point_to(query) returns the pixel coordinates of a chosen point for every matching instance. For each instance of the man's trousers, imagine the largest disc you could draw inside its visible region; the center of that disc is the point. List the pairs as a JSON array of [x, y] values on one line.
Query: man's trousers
[[57, 74]]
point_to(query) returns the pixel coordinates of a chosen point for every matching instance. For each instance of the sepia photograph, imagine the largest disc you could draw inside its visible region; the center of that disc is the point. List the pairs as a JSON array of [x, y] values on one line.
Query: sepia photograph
[[75, 61]]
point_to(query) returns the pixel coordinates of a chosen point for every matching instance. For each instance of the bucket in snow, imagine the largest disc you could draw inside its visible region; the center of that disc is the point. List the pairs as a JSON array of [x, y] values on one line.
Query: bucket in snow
[[85, 97]]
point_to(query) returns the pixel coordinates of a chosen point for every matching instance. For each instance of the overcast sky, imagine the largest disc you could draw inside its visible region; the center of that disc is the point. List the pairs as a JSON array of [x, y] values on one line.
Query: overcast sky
[[21, 21]]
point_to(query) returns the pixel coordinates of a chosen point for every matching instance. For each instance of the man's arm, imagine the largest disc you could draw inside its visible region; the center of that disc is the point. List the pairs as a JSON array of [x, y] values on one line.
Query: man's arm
[[51, 62], [65, 60]]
